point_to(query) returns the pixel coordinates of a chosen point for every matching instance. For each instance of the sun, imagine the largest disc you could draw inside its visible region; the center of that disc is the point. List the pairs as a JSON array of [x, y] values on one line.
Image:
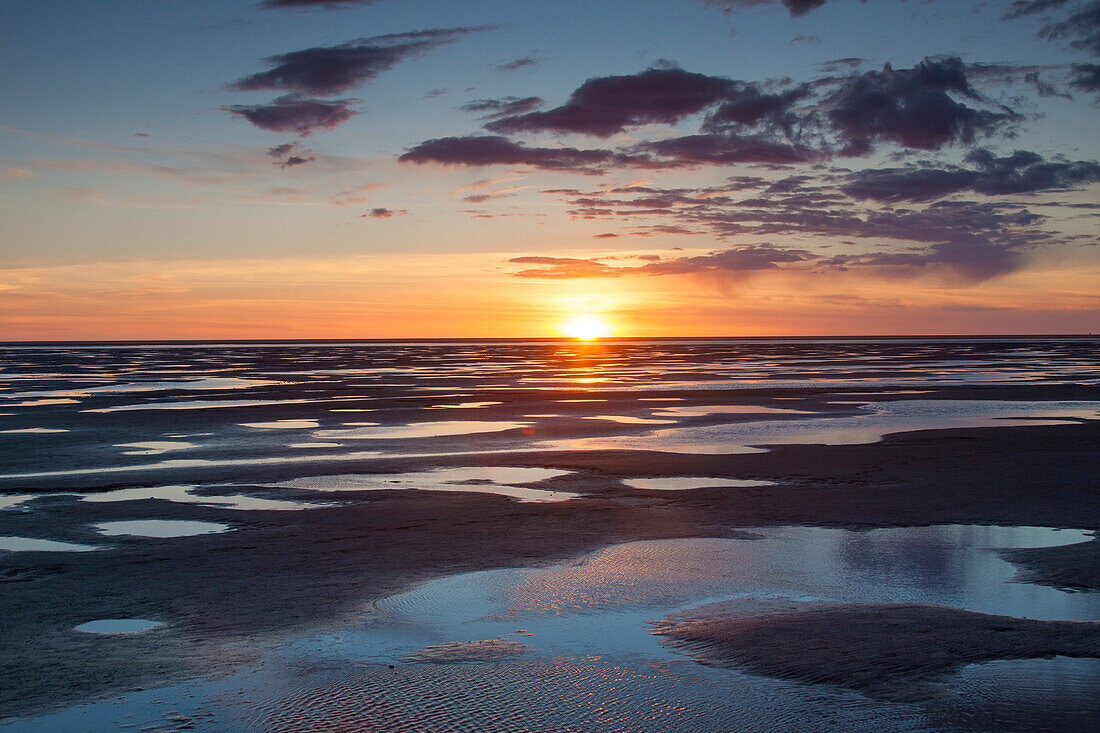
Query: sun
[[586, 328]]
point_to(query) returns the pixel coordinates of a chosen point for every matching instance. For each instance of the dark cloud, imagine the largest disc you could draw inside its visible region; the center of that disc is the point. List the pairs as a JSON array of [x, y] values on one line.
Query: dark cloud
[[1020, 173], [495, 108], [330, 70], [926, 107], [381, 213], [327, 4], [717, 149], [516, 64], [288, 155], [953, 240], [795, 7], [739, 260], [1044, 88], [747, 105], [295, 113], [494, 150], [606, 105], [1086, 77], [1021, 8], [969, 262], [915, 108], [1081, 28]]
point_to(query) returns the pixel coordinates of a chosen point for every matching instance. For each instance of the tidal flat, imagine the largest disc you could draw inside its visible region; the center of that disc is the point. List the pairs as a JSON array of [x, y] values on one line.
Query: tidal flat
[[618, 535]]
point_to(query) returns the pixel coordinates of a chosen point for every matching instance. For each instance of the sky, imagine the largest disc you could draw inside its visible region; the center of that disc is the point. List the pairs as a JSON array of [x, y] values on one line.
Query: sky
[[256, 169]]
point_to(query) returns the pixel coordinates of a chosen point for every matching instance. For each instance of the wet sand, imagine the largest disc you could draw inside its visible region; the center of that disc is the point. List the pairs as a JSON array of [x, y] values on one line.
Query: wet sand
[[220, 595], [292, 570], [1072, 567], [889, 651]]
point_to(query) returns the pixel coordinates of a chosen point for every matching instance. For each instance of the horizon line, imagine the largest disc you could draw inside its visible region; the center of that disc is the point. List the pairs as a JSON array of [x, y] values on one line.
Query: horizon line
[[545, 339]]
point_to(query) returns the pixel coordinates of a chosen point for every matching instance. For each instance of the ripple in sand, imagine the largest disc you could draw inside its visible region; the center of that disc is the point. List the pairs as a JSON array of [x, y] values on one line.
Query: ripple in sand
[[484, 650]]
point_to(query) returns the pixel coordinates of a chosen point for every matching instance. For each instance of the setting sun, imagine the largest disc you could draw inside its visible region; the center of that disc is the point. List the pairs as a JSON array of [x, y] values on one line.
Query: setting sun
[[586, 328]]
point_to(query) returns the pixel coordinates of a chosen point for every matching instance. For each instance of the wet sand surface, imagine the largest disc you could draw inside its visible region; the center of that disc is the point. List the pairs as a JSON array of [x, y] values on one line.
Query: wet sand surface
[[888, 651], [305, 550]]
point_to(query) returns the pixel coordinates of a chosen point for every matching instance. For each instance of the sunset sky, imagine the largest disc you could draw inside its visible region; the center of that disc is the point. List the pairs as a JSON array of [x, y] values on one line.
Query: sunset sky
[[416, 168]]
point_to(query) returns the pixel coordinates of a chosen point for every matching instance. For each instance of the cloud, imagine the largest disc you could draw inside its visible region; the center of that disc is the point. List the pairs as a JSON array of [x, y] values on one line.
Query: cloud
[[16, 174], [382, 213], [737, 260], [925, 107], [1022, 172], [607, 105], [1081, 26], [968, 262], [747, 105], [494, 150], [288, 155], [953, 240], [795, 7], [1021, 8], [329, 70], [326, 4], [521, 62], [911, 107], [564, 267], [495, 108], [729, 262], [1086, 77], [295, 113], [726, 150], [499, 193]]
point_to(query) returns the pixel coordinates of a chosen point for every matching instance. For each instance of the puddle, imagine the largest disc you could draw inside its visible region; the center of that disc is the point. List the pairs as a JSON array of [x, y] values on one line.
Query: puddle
[[117, 626], [183, 495], [440, 429], [199, 405], [40, 403], [464, 405], [181, 464], [159, 528], [685, 483], [33, 431], [283, 425], [30, 544], [304, 446], [499, 480], [878, 420], [627, 420], [10, 501], [154, 447], [703, 411]]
